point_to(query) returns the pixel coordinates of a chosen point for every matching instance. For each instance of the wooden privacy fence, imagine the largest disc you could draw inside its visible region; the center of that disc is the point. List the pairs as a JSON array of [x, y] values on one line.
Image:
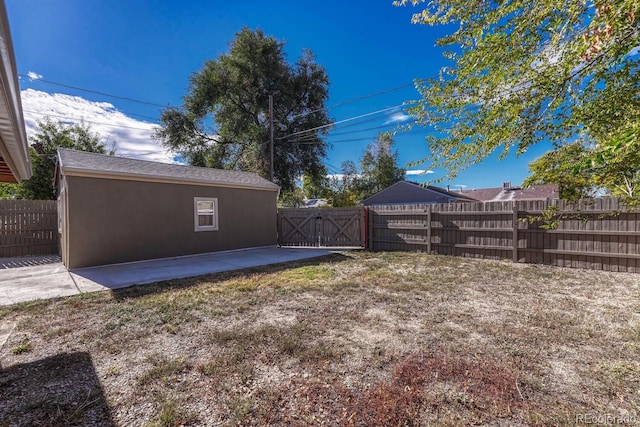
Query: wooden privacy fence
[[589, 237], [28, 227], [321, 227]]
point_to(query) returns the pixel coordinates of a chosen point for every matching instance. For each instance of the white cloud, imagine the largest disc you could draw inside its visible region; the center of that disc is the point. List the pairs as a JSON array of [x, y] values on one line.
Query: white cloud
[[131, 138], [34, 76], [398, 117], [418, 172]]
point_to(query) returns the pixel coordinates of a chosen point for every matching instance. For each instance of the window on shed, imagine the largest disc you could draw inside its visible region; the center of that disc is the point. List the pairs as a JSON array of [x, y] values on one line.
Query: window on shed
[[205, 214]]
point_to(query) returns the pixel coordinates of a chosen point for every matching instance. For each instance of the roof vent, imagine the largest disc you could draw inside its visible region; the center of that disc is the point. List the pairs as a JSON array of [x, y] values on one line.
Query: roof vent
[[506, 185]]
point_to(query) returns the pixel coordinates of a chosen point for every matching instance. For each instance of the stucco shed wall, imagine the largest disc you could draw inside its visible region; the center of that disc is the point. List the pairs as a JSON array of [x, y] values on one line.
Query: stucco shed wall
[[112, 221]]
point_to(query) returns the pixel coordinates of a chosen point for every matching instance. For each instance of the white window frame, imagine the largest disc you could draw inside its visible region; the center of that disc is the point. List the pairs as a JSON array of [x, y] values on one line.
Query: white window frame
[[215, 215]]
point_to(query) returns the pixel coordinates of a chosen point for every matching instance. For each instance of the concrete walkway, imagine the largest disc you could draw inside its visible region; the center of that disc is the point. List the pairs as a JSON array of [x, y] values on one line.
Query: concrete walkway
[[54, 280]]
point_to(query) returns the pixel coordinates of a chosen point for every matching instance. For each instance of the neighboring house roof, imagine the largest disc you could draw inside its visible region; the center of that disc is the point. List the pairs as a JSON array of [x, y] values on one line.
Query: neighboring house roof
[[407, 192], [80, 163], [15, 164], [507, 193]]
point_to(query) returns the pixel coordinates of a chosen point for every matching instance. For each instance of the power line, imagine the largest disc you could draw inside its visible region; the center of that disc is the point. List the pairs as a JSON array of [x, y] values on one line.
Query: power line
[[351, 101], [124, 98], [341, 121], [382, 92], [333, 169], [312, 137], [138, 115], [370, 138], [286, 136], [361, 130]]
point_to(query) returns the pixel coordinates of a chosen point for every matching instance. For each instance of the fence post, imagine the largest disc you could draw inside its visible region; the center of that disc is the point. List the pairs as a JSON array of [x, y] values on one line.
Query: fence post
[[514, 238], [370, 229], [364, 227], [319, 227], [429, 229]]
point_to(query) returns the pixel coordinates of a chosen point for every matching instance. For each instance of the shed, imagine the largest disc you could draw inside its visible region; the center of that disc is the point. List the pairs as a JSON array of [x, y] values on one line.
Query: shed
[[113, 209], [407, 192]]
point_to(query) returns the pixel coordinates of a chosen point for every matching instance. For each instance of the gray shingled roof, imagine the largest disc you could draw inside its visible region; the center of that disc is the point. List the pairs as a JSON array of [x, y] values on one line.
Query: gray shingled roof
[[101, 164], [409, 192], [499, 194]]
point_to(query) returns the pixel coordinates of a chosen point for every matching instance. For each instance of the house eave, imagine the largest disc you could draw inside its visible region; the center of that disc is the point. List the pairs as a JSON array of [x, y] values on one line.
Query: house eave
[[15, 164]]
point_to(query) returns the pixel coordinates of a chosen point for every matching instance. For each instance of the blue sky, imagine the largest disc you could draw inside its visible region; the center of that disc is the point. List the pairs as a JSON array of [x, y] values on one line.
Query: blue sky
[[147, 50]]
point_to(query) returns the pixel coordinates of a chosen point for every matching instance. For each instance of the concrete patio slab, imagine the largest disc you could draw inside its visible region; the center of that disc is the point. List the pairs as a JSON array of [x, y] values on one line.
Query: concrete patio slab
[[139, 273], [53, 280], [36, 282]]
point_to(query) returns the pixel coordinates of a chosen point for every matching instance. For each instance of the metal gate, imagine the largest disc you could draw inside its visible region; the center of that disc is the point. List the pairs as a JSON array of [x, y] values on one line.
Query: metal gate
[[321, 227]]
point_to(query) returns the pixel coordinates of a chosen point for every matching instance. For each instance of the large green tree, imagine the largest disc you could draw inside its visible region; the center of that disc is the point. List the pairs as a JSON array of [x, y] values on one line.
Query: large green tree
[[44, 147], [224, 121], [379, 166], [523, 72]]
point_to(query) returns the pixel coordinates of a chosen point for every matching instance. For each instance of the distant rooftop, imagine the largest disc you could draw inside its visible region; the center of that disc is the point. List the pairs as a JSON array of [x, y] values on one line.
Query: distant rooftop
[[409, 192], [508, 193]]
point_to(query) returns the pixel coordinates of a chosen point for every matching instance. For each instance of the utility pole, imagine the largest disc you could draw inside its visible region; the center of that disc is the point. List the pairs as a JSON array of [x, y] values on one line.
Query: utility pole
[[271, 132]]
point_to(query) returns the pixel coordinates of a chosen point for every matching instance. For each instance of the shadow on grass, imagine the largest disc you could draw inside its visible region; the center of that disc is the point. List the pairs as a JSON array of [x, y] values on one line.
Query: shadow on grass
[[137, 291], [60, 390]]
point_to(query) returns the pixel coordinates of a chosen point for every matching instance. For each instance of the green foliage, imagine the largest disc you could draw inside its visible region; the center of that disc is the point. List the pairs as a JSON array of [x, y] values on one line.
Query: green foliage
[[10, 191], [526, 72], [615, 165], [172, 414], [291, 198], [224, 122], [23, 347], [611, 165], [551, 217], [43, 151], [346, 190], [559, 167], [316, 187], [379, 169], [380, 166]]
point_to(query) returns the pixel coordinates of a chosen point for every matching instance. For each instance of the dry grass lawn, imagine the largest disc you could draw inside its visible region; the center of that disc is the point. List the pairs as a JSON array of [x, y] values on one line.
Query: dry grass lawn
[[356, 339]]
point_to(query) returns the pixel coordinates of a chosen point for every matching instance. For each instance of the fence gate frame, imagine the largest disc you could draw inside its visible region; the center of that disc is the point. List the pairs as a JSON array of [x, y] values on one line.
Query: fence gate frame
[[322, 227]]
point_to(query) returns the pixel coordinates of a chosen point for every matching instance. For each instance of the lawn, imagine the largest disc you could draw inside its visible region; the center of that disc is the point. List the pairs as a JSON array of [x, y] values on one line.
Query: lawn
[[351, 339]]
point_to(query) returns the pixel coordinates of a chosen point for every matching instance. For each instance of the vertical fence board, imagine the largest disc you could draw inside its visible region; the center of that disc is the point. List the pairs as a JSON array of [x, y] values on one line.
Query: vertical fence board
[[28, 227]]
